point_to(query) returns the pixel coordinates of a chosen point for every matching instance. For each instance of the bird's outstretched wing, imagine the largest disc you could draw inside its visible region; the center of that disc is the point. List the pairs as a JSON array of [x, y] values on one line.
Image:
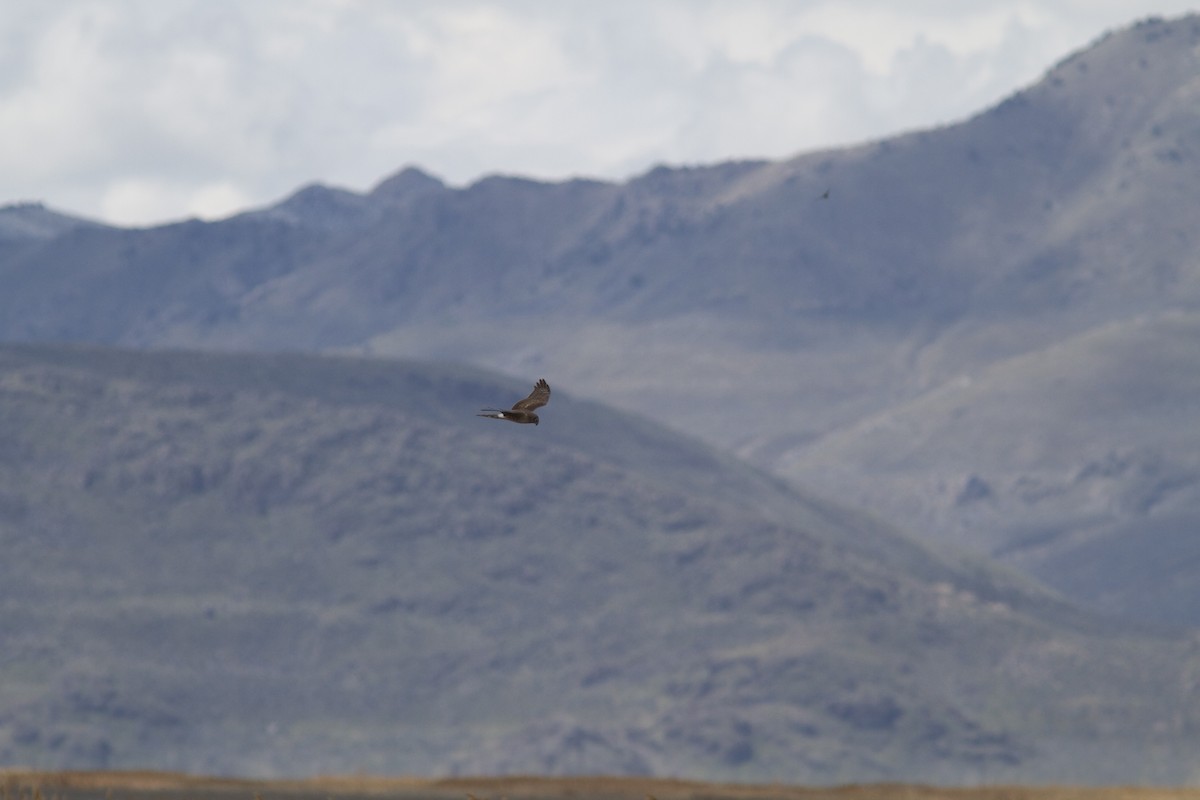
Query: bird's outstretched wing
[[537, 398]]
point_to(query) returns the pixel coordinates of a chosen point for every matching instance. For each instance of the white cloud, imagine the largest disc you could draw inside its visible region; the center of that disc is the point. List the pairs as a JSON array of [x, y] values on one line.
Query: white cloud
[[137, 200], [143, 110]]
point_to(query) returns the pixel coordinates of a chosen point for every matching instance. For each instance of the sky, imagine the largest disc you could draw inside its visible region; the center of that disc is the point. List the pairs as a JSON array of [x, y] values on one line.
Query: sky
[[139, 112]]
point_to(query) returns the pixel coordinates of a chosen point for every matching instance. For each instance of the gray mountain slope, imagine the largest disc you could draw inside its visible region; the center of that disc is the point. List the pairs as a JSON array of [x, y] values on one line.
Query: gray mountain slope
[[1078, 462], [734, 301], [1041, 206], [263, 564]]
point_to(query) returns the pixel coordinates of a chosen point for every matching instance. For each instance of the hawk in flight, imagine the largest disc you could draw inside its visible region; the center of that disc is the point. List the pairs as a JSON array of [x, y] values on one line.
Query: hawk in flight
[[522, 410]]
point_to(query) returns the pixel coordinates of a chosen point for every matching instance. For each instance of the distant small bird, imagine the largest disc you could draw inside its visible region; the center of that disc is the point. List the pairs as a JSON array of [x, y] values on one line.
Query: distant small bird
[[522, 410], [825, 195]]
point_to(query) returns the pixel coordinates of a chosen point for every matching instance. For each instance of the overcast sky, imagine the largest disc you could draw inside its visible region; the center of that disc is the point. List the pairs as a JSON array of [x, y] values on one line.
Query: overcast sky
[[143, 111]]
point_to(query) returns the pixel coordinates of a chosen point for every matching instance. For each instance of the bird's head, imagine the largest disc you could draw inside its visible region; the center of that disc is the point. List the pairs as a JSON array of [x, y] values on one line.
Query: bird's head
[[535, 419]]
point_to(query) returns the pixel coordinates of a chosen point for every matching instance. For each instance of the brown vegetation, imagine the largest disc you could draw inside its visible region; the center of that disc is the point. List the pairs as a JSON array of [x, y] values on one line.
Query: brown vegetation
[[32, 785]]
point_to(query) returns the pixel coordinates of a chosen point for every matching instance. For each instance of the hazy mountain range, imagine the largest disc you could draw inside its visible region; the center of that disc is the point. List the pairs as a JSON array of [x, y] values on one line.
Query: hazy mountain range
[[262, 564], [986, 334], [740, 302]]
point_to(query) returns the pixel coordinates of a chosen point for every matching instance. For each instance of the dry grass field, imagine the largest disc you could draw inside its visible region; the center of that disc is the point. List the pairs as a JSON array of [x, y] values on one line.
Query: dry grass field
[[29, 785]]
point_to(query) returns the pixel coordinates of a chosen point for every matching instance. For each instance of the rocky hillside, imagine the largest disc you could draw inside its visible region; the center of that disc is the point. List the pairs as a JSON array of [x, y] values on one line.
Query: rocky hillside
[[265, 565]]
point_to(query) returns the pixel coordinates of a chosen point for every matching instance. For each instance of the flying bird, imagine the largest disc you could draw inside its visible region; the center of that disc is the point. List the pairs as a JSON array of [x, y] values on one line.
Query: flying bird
[[522, 410]]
